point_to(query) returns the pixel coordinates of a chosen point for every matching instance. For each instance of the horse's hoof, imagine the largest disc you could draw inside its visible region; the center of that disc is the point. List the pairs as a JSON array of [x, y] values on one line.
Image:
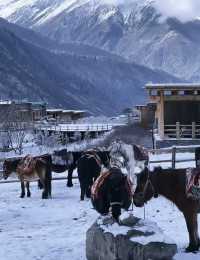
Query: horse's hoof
[[70, 185], [22, 196], [29, 195], [44, 196], [192, 249]]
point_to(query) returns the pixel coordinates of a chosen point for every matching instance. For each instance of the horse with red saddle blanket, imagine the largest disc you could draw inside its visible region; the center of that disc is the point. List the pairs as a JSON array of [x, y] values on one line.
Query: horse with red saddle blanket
[[112, 189], [28, 169]]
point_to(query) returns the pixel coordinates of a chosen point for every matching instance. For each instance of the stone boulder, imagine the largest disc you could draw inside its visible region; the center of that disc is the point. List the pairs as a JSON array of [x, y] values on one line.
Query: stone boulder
[[133, 239]]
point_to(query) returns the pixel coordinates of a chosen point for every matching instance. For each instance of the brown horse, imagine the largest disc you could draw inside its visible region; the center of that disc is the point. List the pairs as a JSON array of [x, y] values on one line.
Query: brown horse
[[172, 185], [40, 169]]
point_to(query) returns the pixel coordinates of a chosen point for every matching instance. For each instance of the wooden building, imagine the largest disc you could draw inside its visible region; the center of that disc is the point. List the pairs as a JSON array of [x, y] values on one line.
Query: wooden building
[[146, 114], [177, 116]]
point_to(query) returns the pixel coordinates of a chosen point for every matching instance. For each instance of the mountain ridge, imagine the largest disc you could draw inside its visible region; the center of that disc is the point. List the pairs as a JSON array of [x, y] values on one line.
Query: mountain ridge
[[101, 83], [139, 33]]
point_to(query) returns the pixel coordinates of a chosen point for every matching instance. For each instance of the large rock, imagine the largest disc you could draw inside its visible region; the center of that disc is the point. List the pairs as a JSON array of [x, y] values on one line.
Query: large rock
[[134, 239]]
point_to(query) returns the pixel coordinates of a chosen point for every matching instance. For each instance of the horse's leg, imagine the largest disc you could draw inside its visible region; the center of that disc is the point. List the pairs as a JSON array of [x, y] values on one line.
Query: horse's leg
[[191, 222], [45, 192], [116, 211], [88, 189], [83, 190], [49, 179], [40, 186], [43, 177], [88, 192], [22, 189], [28, 189], [69, 177]]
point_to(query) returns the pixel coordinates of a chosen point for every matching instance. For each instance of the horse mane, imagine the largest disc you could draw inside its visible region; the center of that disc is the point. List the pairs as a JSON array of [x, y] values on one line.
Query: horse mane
[[140, 153]]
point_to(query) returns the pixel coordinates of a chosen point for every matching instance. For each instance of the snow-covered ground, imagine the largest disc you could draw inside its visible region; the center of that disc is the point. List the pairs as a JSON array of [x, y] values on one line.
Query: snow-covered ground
[[36, 229]]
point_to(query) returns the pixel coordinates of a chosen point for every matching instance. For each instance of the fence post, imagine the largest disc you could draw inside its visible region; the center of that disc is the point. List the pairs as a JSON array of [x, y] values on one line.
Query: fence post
[[178, 130], [193, 130], [174, 157], [197, 157]]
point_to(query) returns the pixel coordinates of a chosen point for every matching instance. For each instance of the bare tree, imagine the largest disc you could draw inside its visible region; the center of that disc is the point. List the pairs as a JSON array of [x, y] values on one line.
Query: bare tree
[[14, 128]]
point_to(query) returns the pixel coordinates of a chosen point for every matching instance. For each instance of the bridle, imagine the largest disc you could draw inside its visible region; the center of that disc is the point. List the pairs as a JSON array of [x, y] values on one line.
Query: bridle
[[147, 184]]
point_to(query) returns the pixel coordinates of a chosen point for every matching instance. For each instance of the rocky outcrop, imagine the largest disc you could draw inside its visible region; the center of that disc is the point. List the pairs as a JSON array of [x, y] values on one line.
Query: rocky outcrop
[[133, 239]]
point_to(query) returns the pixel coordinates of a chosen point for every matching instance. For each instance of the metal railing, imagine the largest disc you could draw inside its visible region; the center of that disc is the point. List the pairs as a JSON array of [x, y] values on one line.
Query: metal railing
[[77, 127]]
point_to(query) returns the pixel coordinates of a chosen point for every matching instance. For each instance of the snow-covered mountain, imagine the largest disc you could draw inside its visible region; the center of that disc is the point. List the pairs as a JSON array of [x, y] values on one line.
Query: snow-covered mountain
[[133, 29], [39, 69]]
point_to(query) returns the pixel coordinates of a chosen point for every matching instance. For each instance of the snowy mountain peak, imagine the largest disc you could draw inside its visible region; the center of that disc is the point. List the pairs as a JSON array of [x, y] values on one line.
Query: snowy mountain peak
[[37, 12]]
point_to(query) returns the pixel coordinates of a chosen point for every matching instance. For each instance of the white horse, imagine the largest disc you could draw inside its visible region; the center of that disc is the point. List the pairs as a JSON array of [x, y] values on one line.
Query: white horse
[[131, 157]]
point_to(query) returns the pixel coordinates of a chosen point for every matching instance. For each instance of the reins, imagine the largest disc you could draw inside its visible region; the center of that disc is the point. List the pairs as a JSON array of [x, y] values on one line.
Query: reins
[[149, 182]]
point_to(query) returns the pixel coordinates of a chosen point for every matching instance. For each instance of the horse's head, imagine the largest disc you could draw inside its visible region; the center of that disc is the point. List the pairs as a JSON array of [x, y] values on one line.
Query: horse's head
[[140, 154], [8, 168], [105, 158], [119, 192], [144, 189]]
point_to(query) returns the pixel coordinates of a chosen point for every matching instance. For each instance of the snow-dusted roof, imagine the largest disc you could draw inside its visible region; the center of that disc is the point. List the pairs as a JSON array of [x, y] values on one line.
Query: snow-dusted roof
[[52, 110], [174, 86], [5, 102], [73, 111]]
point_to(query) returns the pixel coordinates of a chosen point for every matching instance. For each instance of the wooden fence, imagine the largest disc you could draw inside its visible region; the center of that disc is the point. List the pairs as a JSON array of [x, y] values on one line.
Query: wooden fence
[[173, 160], [179, 131], [173, 151]]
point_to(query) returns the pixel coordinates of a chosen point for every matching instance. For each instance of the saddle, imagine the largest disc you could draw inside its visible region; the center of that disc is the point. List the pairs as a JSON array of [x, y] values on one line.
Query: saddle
[[193, 183], [26, 167], [97, 187]]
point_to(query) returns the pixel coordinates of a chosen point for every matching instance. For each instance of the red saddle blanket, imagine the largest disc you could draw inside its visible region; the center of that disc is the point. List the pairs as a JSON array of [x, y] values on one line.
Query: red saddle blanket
[[193, 183], [96, 189], [26, 166]]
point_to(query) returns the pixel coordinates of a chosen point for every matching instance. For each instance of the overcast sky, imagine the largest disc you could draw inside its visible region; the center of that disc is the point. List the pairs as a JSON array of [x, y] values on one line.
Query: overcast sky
[[184, 10]]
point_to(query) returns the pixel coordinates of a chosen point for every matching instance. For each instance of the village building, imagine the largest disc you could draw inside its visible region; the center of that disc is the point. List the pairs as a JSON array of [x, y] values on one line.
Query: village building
[[64, 116], [177, 113], [146, 114], [22, 111]]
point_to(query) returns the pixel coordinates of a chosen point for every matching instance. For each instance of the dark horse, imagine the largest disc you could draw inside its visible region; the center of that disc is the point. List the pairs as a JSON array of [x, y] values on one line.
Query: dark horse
[[112, 189], [89, 167], [69, 163], [41, 171], [172, 185]]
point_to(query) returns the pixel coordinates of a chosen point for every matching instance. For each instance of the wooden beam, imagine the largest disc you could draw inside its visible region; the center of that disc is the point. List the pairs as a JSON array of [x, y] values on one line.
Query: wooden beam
[[161, 116]]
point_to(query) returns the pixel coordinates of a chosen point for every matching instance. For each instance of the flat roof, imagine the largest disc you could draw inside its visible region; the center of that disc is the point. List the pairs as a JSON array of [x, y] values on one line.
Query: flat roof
[[54, 110], [173, 86], [73, 111]]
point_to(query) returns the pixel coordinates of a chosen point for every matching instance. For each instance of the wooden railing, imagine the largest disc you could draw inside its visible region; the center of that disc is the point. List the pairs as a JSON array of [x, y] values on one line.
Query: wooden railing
[[180, 131], [173, 151]]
